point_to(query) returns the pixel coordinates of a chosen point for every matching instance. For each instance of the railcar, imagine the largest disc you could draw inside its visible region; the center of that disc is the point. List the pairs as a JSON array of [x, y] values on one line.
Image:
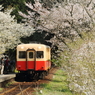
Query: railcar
[[33, 60]]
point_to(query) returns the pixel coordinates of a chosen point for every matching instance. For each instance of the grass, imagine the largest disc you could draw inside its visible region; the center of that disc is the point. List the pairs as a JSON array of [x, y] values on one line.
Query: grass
[[1, 89], [9, 83], [58, 85]]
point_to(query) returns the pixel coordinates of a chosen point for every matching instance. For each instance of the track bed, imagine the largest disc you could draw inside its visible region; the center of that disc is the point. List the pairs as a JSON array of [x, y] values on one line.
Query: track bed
[[26, 88]]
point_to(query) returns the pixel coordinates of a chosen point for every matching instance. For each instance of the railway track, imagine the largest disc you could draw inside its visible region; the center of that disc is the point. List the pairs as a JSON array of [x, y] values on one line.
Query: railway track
[[26, 88], [23, 88]]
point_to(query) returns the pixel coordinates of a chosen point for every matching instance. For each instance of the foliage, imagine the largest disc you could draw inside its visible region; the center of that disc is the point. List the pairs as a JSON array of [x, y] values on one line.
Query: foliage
[[11, 32], [79, 63], [16, 5]]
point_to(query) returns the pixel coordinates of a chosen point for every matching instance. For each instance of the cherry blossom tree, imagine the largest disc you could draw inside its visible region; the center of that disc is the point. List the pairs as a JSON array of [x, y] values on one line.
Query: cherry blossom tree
[[11, 31], [66, 20]]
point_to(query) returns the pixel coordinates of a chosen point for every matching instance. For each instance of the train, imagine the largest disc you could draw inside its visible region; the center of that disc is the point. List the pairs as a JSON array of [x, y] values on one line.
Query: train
[[33, 61]]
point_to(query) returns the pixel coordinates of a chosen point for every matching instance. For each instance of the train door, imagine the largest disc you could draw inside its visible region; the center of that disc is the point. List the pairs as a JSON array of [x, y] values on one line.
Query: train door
[[31, 59]]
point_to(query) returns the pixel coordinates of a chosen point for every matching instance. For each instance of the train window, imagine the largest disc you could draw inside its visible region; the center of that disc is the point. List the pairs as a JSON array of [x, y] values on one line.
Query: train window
[[22, 54], [30, 54], [40, 54]]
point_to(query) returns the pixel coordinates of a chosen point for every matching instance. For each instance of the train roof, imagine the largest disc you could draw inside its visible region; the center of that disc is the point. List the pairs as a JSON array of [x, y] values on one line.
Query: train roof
[[34, 44]]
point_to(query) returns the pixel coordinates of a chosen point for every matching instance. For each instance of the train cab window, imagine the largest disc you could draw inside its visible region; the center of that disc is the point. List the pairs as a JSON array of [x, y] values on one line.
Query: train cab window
[[40, 54], [30, 54], [22, 54]]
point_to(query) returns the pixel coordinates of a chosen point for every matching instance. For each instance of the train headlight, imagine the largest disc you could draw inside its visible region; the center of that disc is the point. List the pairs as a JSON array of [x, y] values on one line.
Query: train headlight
[[39, 47], [22, 47]]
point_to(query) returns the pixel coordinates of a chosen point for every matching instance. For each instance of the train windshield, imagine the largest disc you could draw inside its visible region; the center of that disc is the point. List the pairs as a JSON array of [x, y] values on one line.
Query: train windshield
[[30, 54], [40, 54], [22, 54]]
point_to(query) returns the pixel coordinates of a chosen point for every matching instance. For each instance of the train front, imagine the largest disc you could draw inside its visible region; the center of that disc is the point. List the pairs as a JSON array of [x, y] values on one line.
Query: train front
[[34, 57]]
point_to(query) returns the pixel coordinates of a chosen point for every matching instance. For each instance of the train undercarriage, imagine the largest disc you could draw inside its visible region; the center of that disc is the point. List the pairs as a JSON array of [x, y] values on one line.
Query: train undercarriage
[[31, 75]]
